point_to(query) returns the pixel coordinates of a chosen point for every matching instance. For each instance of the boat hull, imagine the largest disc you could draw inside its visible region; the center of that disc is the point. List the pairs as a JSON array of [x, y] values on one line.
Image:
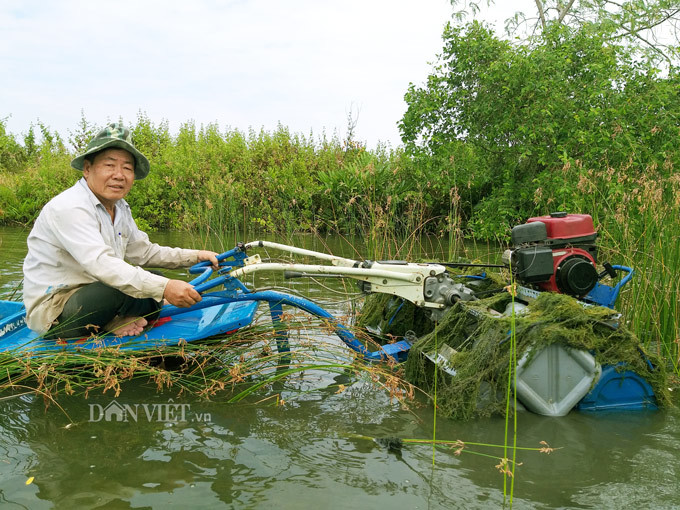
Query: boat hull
[[191, 326]]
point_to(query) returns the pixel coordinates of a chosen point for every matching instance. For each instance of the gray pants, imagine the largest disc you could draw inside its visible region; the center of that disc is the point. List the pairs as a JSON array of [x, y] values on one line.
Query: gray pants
[[93, 306]]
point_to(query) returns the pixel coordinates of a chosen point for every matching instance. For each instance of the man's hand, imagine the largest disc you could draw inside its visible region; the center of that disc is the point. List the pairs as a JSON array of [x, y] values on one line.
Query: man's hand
[[180, 293], [210, 256]]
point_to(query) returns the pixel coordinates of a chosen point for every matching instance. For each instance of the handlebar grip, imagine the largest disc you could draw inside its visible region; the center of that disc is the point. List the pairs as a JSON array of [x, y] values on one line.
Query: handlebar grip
[[609, 269]]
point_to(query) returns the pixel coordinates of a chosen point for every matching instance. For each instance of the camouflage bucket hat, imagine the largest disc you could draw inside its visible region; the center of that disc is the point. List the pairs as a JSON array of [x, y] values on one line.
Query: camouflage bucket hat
[[114, 136]]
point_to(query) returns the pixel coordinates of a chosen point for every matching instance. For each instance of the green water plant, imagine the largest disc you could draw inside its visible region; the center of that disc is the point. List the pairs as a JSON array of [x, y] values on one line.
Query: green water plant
[[483, 353]]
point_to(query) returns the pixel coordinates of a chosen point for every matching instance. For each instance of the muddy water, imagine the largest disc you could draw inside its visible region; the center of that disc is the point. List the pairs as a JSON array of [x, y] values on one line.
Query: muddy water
[[306, 454]]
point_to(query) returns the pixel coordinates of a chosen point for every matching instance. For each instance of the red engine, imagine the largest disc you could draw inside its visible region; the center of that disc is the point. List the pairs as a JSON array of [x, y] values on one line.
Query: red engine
[[556, 253]]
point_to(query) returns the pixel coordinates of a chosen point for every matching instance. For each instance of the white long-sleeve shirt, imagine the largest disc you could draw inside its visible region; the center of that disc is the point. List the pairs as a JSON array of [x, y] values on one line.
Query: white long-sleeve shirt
[[74, 243]]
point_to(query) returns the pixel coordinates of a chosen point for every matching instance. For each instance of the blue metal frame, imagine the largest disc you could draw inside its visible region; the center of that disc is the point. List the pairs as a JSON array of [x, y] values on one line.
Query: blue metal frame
[[604, 295]]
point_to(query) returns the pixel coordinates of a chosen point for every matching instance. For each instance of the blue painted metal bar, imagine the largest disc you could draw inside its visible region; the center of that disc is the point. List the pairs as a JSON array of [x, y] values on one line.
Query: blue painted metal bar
[[394, 315], [238, 254], [215, 282], [276, 311], [202, 278], [604, 295]]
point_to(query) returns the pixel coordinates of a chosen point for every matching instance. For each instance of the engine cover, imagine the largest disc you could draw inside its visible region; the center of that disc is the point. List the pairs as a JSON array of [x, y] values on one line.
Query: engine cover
[[561, 226], [574, 273]]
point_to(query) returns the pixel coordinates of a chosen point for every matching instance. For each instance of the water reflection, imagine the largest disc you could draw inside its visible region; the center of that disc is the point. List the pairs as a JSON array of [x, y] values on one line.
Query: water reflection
[[307, 452], [246, 455], [593, 453]]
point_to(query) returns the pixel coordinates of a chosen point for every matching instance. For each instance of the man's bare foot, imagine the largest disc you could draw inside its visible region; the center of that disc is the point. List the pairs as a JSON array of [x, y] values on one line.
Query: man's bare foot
[[126, 326]]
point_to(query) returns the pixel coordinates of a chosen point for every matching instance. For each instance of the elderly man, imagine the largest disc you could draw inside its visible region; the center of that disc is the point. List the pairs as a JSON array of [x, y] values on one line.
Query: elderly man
[[82, 274]]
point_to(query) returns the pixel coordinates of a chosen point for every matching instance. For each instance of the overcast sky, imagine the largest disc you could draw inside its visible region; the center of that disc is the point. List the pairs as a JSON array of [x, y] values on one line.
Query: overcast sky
[[241, 63]]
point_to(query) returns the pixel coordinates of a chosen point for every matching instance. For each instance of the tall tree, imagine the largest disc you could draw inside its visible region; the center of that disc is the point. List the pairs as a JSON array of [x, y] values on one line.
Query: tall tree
[[572, 95], [650, 26]]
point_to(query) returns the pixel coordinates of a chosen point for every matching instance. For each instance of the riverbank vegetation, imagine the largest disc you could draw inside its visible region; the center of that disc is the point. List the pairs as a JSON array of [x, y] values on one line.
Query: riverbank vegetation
[[579, 118]]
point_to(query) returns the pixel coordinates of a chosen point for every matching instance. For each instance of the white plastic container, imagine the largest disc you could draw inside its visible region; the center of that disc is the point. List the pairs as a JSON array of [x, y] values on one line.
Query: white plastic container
[[516, 307], [554, 379]]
